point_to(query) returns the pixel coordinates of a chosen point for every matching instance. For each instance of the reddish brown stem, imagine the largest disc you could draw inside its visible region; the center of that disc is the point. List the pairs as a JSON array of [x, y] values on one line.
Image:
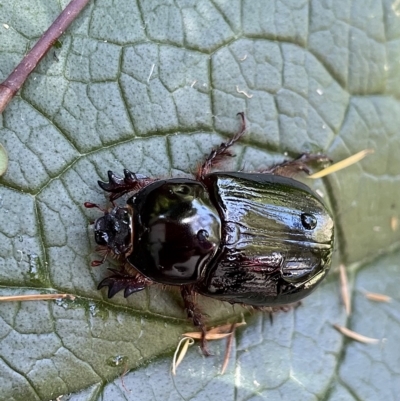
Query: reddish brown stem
[[15, 80]]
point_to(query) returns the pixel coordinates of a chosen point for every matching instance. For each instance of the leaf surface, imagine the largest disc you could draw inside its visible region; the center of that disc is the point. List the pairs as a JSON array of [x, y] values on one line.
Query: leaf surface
[[153, 86]]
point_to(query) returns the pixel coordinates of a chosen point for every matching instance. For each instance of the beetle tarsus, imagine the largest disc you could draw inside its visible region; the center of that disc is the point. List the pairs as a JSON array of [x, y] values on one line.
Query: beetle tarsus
[[271, 310], [122, 281], [218, 154], [119, 186], [194, 313], [290, 168]]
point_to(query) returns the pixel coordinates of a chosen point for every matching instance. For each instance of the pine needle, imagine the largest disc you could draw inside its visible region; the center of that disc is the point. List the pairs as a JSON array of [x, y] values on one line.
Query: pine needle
[[342, 164]]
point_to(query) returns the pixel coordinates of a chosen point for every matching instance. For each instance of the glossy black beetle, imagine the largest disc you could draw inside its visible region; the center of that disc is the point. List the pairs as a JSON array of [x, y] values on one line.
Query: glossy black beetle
[[259, 239]]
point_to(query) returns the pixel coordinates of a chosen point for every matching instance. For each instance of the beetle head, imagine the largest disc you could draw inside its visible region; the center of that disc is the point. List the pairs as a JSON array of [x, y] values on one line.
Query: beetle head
[[114, 230]]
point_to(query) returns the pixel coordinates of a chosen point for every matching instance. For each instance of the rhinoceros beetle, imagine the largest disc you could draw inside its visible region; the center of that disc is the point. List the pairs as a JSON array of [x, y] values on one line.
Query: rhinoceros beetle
[[259, 238]]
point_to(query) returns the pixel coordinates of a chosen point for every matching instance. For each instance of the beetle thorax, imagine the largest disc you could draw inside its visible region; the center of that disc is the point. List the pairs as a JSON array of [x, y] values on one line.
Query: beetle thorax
[[177, 231]]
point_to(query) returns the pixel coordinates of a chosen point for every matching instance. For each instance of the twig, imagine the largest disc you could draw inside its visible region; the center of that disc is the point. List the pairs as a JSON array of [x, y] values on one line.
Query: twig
[[394, 223], [36, 297], [344, 289], [217, 333], [151, 73], [15, 80], [342, 164], [228, 349], [122, 378], [243, 92], [181, 352], [355, 336], [373, 296]]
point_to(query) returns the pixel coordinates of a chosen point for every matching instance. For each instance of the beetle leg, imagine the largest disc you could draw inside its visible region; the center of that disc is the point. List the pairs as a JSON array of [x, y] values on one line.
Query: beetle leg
[[119, 186], [292, 167], [271, 310], [216, 155], [123, 281], [90, 205], [194, 313], [96, 263]]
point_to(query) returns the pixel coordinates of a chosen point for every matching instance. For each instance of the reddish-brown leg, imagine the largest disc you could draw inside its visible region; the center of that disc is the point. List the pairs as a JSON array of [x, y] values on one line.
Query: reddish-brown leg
[[271, 310], [194, 313], [218, 154], [287, 168], [292, 167], [124, 281], [119, 186]]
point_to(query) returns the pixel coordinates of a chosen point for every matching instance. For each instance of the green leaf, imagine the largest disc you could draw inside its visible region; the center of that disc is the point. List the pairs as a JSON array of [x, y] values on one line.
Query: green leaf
[[152, 86]]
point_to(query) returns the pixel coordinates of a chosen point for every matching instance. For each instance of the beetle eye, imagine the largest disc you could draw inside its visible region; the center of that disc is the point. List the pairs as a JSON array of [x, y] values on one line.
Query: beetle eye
[[101, 237], [182, 190], [309, 221]]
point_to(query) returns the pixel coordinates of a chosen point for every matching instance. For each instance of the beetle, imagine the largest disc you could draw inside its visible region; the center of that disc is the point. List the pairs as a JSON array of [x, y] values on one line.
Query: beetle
[[261, 238]]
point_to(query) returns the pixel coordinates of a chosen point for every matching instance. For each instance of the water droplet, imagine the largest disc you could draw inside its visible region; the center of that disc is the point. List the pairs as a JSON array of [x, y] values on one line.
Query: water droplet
[[320, 91], [20, 238], [33, 264], [64, 303], [20, 255], [93, 309], [117, 360], [309, 221], [96, 311], [74, 303]]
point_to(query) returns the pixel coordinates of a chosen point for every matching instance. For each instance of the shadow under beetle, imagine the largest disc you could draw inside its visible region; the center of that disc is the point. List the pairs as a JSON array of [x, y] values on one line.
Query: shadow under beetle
[[259, 239]]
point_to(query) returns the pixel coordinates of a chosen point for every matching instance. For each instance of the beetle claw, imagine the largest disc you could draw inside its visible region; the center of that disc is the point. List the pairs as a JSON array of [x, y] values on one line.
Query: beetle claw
[[114, 285], [120, 281], [131, 289], [114, 183], [119, 186], [129, 177]]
